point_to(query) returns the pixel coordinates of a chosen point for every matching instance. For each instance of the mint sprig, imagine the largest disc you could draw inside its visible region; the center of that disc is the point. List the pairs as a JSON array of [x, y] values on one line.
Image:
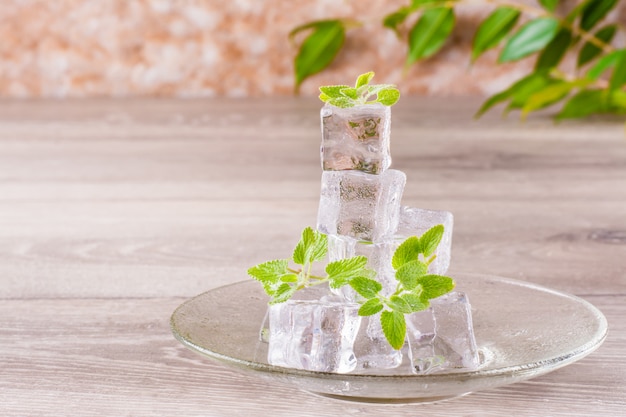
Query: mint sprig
[[362, 93], [415, 286], [280, 281]]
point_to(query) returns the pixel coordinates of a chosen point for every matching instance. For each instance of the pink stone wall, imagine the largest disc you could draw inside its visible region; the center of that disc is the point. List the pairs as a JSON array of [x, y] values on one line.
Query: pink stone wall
[[79, 48]]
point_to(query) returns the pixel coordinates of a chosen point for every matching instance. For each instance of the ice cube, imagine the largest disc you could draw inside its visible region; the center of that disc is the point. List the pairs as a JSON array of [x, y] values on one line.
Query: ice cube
[[359, 205], [416, 221], [356, 138], [313, 335], [378, 255], [371, 348], [442, 337]]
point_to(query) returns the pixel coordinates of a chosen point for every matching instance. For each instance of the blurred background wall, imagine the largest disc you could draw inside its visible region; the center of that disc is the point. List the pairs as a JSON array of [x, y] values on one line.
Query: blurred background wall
[[82, 48]]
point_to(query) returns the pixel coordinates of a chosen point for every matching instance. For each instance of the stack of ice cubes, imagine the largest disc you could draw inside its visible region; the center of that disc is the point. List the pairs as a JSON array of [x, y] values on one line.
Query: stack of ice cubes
[[360, 210]]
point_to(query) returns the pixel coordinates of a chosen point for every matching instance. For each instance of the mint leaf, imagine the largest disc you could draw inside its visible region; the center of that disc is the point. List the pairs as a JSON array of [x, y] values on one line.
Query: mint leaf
[[366, 287], [333, 91], [349, 92], [370, 307], [283, 293], [394, 328], [409, 273], [341, 102], [406, 252], [434, 286], [388, 97], [312, 247], [397, 303], [364, 79], [269, 274], [430, 239], [341, 272], [415, 302]]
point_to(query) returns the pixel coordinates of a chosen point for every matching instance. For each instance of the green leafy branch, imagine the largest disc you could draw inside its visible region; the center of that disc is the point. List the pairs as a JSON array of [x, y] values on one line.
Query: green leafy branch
[[362, 93], [415, 286], [596, 86]]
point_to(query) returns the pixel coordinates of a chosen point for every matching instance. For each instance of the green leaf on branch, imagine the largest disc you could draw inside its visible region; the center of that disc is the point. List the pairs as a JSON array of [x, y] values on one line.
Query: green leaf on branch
[[530, 38], [549, 5], [408, 274], [434, 286], [312, 247], [608, 61], [363, 80], [366, 287], [283, 293], [408, 251], [394, 328], [547, 96], [415, 302], [397, 303], [583, 104], [430, 33], [269, 274], [430, 239], [319, 49], [590, 51], [395, 19], [552, 54], [343, 271], [370, 307], [594, 11], [493, 29], [618, 79], [518, 93]]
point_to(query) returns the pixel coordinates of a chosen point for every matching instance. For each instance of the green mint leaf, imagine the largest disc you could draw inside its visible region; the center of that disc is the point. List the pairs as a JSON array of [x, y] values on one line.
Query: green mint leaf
[[370, 307], [434, 286], [594, 11], [409, 273], [333, 91], [289, 278], [406, 252], [590, 51], [388, 97], [324, 97], [415, 302], [341, 272], [397, 303], [366, 287], [283, 293], [493, 29], [530, 38], [555, 50], [549, 5], [394, 328], [349, 92], [430, 33], [430, 239], [269, 274], [312, 247], [341, 102], [319, 49], [363, 79]]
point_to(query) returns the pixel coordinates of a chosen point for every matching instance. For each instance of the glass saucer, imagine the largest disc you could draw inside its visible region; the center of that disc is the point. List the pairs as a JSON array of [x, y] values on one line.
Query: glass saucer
[[522, 331]]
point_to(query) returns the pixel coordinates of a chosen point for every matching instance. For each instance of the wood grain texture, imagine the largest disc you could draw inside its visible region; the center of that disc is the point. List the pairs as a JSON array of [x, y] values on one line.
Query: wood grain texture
[[113, 212]]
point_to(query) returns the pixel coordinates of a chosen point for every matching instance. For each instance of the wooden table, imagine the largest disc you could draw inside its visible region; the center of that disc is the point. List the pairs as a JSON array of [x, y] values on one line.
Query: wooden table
[[112, 213]]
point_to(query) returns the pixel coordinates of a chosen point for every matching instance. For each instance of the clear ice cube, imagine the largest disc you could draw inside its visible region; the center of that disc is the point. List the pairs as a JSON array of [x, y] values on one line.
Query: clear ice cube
[[359, 205], [442, 337], [313, 335], [371, 348], [416, 221], [356, 138]]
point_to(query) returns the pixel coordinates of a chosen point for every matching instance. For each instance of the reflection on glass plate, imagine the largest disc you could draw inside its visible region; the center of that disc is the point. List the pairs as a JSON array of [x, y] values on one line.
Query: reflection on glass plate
[[522, 331]]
